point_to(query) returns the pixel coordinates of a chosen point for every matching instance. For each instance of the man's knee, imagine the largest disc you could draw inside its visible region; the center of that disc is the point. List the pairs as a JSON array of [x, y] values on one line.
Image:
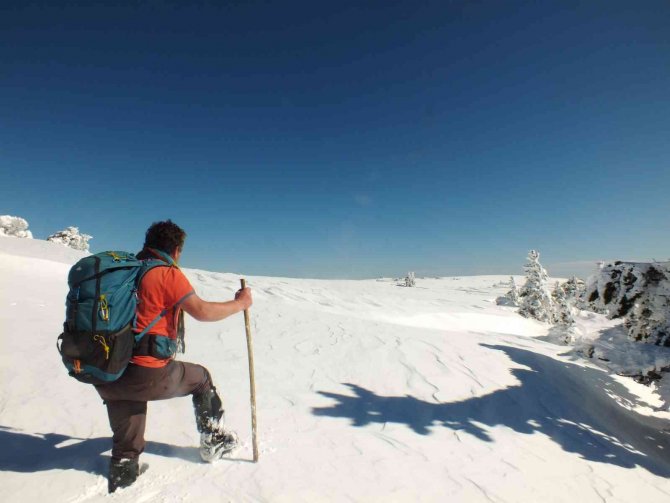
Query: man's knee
[[198, 379]]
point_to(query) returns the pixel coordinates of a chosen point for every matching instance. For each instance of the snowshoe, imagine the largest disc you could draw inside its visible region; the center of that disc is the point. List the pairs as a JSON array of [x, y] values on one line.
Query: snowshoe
[[215, 445]]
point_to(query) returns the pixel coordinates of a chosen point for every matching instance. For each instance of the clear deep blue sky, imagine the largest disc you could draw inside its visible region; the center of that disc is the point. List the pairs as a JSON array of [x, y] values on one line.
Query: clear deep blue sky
[[343, 139]]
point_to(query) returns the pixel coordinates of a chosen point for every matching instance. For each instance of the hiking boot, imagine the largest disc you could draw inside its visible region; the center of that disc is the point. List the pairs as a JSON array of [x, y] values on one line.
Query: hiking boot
[[122, 473], [215, 445]]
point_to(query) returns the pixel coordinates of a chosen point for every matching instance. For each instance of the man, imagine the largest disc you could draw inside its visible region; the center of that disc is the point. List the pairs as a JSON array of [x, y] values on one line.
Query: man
[[153, 373]]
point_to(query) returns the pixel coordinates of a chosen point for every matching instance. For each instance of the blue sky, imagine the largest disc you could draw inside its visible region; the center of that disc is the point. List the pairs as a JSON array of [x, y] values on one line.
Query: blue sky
[[343, 139]]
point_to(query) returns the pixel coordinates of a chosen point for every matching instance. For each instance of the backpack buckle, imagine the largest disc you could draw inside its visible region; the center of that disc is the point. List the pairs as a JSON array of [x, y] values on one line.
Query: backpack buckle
[[116, 256], [104, 308]]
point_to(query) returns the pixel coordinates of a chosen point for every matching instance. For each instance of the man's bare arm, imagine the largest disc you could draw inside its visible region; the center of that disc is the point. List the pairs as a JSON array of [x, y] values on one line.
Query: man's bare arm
[[203, 310]]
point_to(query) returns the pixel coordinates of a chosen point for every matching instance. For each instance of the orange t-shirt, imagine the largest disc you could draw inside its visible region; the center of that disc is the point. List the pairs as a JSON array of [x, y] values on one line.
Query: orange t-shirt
[[161, 288]]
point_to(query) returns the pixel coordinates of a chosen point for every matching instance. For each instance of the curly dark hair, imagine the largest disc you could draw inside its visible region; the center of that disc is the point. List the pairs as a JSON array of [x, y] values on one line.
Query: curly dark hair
[[165, 236]]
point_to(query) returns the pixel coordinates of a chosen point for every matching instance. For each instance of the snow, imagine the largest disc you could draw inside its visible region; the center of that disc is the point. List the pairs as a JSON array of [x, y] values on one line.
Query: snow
[[39, 249], [366, 391]]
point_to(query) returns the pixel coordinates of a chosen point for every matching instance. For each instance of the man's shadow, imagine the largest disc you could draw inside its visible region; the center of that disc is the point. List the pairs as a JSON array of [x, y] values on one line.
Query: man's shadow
[[27, 453], [572, 405]]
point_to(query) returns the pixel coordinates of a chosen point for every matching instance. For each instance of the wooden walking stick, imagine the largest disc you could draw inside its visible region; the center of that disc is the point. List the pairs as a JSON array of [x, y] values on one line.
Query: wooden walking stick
[[252, 381]]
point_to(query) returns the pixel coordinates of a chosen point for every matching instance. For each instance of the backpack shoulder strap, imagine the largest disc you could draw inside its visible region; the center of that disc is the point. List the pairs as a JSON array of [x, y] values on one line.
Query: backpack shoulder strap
[[161, 255], [148, 265]]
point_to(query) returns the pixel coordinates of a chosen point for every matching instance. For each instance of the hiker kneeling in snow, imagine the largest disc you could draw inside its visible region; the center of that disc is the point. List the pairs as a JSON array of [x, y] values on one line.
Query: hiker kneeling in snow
[[153, 374]]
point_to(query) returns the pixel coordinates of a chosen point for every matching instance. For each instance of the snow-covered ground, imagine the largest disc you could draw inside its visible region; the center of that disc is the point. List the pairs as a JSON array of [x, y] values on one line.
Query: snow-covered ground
[[367, 391]]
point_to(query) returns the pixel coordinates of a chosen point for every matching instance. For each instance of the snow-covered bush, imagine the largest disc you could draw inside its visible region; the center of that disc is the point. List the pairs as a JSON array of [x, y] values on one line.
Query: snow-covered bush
[[511, 298], [71, 237], [638, 292], [535, 299], [14, 226], [410, 280]]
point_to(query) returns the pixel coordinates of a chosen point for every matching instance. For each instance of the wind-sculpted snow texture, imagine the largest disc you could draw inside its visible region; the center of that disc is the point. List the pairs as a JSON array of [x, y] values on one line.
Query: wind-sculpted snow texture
[[366, 391]]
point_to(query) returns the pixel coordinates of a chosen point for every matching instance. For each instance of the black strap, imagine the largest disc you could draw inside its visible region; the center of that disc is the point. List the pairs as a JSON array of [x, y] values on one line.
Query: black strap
[[96, 303], [59, 346], [181, 330]]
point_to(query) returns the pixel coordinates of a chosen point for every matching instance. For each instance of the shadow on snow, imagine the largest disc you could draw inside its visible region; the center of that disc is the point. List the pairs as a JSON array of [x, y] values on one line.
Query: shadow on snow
[[568, 403], [23, 452]]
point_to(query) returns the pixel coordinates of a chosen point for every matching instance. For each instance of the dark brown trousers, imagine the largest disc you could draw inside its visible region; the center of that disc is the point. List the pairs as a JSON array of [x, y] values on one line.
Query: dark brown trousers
[[127, 398]]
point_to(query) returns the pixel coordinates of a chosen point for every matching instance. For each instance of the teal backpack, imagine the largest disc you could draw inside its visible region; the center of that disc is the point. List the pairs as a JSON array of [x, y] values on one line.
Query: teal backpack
[[98, 339]]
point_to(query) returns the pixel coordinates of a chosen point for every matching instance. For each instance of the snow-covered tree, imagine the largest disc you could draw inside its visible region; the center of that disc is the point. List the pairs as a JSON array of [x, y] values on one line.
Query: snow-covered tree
[[535, 298], [563, 305], [513, 294], [14, 226], [410, 280], [638, 292], [511, 298], [71, 237], [574, 290]]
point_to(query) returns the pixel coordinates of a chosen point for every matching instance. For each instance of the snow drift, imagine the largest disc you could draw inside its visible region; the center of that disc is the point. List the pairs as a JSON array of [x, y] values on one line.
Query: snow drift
[[366, 391]]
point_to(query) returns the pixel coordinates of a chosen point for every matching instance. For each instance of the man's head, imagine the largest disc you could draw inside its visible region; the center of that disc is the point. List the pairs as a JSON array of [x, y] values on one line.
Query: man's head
[[165, 236]]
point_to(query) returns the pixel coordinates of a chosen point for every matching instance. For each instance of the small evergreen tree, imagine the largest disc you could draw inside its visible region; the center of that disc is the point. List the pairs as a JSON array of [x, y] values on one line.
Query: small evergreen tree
[[513, 294], [575, 290], [536, 301], [562, 305], [511, 298], [410, 280], [71, 237]]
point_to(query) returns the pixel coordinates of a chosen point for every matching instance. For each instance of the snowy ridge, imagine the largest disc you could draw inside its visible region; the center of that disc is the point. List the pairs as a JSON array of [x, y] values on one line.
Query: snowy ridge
[[367, 391]]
